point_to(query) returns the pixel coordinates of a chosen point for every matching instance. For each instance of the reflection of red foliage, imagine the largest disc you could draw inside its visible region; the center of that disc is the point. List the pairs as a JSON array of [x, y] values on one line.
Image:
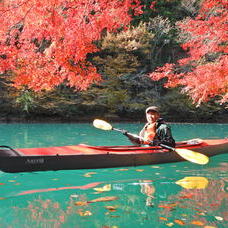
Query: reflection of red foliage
[[187, 196], [45, 212], [200, 202], [207, 48], [84, 187], [210, 197], [46, 42]]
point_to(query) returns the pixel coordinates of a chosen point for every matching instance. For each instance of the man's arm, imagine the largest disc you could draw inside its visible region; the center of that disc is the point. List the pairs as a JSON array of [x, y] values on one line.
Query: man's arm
[[135, 139], [164, 136]]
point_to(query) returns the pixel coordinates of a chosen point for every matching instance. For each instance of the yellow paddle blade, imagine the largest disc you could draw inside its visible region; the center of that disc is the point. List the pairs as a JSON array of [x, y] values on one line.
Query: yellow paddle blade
[[101, 124], [193, 156], [193, 182]]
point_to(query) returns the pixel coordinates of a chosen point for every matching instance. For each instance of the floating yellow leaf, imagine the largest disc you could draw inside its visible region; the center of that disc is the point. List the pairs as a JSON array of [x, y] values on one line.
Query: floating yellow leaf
[[111, 208], [139, 170], [180, 222], [85, 213], [74, 196], [200, 213], [197, 223], [105, 188], [104, 199], [170, 224], [89, 174], [219, 218], [80, 203], [193, 182], [97, 192], [121, 170], [209, 227], [109, 226], [163, 218]]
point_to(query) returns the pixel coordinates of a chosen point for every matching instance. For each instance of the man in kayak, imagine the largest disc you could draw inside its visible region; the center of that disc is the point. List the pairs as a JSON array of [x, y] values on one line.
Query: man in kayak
[[155, 131]]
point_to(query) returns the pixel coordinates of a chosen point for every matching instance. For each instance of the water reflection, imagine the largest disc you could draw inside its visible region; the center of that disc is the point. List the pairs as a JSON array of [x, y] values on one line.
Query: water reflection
[[199, 206], [148, 189], [194, 201], [193, 182]]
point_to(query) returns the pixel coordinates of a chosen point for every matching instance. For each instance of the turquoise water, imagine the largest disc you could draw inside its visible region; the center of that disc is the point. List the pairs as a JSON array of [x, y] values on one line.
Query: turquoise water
[[143, 196]]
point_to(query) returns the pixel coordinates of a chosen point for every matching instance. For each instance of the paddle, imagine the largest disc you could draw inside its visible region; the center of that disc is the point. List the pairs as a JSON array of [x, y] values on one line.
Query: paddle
[[189, 155]]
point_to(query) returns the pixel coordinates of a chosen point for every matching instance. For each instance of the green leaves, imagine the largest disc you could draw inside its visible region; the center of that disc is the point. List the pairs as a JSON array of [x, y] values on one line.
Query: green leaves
[[26, 101]]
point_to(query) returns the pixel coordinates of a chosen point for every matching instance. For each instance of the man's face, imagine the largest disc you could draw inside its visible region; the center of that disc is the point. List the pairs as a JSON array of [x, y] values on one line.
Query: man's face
[[152, 116]]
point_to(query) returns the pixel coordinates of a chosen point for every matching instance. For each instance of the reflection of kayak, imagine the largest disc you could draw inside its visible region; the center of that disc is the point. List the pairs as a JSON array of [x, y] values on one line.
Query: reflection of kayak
[[89, 157]]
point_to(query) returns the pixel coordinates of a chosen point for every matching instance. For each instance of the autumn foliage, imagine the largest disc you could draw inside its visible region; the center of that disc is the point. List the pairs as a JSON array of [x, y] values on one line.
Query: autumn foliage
[[203, 74], [46, 42]]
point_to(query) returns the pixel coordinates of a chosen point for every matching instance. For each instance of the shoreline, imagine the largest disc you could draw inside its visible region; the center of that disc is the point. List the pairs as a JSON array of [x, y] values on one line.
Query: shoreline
[[56, 120]]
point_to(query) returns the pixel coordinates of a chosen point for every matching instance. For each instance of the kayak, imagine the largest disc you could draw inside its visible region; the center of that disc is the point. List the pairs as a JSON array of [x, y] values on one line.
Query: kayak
[[92, 157]]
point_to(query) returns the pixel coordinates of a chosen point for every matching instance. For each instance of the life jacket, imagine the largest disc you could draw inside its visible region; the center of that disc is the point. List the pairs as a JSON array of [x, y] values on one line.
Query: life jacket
[[150, 132], [162, 134]]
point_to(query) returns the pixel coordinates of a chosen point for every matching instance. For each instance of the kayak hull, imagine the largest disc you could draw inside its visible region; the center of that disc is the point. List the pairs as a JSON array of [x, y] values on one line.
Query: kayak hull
[[93, 157], [70, 162]]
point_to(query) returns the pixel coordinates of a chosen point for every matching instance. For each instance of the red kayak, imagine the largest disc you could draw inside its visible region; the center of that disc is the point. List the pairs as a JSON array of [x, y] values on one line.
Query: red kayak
[[90, 157]]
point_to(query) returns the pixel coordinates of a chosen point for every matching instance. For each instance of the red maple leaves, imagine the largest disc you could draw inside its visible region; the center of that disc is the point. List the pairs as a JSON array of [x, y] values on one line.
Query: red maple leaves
[[46, 42], [207, 47]]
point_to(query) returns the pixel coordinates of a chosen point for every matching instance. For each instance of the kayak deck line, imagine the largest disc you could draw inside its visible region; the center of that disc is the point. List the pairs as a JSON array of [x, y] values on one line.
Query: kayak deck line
[[87, 149]]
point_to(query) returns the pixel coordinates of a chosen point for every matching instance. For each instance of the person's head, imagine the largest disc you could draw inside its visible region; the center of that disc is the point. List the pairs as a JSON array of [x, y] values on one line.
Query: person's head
[[152, 114]]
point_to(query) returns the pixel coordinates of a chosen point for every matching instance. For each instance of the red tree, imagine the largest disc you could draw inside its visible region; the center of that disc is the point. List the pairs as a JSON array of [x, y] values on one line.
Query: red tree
[[204, 73], [46, 42]]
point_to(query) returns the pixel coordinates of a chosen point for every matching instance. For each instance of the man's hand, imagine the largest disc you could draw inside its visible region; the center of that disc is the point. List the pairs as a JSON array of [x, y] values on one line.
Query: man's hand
[[135, 139], [148, 142], [124, 132]]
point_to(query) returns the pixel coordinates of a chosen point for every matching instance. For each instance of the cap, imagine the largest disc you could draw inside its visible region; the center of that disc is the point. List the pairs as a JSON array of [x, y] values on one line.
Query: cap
[[152, 109]]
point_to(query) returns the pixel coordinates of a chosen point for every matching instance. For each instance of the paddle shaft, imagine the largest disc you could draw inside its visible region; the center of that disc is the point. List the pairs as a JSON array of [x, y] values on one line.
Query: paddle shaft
[[141, 138], [117, 129]]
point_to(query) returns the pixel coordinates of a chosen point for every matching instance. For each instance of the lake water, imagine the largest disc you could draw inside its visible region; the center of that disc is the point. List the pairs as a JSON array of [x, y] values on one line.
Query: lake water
[[143, 196]]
